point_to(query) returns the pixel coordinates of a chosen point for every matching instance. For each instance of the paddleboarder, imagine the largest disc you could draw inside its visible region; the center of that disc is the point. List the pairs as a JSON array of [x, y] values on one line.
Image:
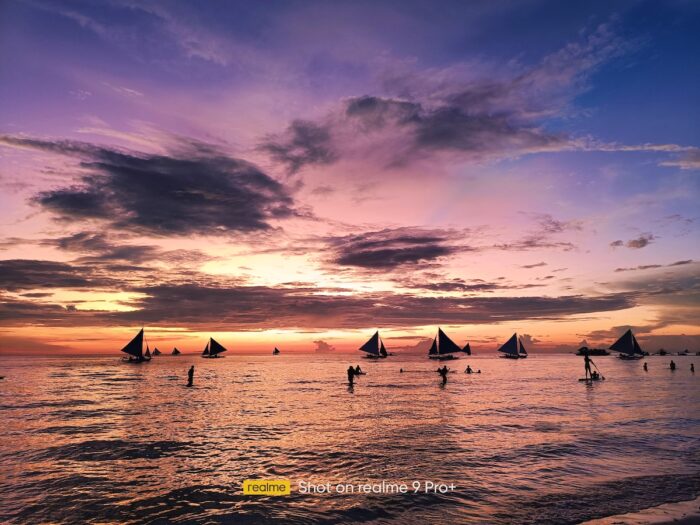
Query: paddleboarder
[[587, 364], [190, 376]]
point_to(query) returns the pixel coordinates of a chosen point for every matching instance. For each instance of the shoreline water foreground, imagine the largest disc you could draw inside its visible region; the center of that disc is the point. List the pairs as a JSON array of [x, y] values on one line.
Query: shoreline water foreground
[[679, 513]]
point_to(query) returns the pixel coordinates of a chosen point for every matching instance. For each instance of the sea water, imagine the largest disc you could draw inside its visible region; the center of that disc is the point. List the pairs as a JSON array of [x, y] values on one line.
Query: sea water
[[94, 440]]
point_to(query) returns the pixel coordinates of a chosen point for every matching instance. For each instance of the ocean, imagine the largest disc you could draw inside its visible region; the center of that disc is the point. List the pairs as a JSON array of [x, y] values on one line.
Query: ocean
[[94, 440]]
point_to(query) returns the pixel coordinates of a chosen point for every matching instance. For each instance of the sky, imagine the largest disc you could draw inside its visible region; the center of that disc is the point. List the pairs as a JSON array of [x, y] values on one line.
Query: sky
[[299, 174]]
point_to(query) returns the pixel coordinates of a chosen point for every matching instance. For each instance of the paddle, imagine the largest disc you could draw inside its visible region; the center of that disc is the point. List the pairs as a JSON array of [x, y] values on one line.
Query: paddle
[[598, 369]]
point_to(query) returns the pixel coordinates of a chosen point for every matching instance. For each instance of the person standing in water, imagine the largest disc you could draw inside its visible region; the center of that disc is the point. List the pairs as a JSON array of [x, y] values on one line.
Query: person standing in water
[[673, 365], [469, 369], [587, 365], [358, 370], [692, 367], [351, 375], [190, 376], [646, 369], [443, 372]]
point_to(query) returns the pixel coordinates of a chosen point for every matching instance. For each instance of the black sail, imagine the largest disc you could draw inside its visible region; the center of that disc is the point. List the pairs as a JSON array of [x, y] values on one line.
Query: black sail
[[510, 346], [446, 345], [467, 349], [206, 349], [135, 346], [215, 348], [627, 344], [372, 345], [382, 349], [433, 348]]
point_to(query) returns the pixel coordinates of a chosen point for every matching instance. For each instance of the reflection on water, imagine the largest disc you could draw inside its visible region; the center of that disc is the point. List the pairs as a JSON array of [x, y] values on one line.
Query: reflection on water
[[94, 440]]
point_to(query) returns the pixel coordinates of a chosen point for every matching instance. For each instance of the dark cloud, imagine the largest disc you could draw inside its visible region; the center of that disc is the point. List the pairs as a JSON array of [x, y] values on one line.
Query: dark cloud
[[303, 143], [391, 248], [447, 128], [322, 346], [642, 241], [198, 191], [462, 285], [27, 274], [535, 265]]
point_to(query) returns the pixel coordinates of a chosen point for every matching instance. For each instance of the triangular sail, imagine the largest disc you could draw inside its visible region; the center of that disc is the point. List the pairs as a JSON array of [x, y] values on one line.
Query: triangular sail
[[637, 348], [215, 348], [445, 344], [206, 349], [176, 351], [626, 344], [276, 351], [522, 348], [382, 349], [433, 348], [467, 349], [510, 346], [156, 351], [148, 352], [135, 346], [372, 346]]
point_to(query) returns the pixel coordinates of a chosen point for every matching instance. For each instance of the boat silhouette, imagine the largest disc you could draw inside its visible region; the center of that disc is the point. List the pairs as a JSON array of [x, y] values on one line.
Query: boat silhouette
[[628, 347], [444, 348], [213, 349], [135, 350], [374, 348], [513, 348]]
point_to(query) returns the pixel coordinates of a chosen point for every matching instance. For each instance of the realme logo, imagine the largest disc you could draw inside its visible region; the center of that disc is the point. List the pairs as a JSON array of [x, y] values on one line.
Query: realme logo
[[267, 487]]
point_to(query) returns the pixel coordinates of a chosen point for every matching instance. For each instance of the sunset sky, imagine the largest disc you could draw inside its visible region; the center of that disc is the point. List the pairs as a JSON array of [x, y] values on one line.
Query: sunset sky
[[302, 173]]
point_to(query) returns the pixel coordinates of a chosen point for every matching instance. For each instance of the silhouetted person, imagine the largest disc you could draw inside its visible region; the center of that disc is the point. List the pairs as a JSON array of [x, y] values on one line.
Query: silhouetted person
[[478, 371], [646, 368], [358, 370], [587, 365], [692, 367], [469, 369], [673, 365], [190, 376], [351, 375], [443, 372], [401, 371]]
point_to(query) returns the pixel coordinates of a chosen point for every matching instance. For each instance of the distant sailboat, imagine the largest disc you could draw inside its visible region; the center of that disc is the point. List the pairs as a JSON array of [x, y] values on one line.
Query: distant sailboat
[[443, 347], [156, 351], [374, 347], [213, 349], [135, 350], [513, 348], [276, 351], [628, 347], [175, 351]]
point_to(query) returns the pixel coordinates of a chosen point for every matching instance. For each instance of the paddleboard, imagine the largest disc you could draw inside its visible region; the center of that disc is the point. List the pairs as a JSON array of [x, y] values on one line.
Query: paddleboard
[[588, 380]]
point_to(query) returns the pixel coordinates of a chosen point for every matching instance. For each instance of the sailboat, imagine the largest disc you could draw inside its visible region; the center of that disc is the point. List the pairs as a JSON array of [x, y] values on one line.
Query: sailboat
[[513, 348], [628, 347], [374, 347], [135, 350], [213, 349], [443, 347], [276, 351], [147, 353], [156, 351], [175, 351]]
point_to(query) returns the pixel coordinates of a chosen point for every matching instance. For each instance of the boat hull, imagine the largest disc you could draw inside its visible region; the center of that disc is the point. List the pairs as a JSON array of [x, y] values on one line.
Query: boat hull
[[627, 357], [448, 357], [370, 356]]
